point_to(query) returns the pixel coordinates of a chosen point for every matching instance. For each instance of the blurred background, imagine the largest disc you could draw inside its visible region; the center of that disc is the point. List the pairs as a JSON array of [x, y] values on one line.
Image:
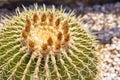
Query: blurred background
[[101, 17], [11, 4]]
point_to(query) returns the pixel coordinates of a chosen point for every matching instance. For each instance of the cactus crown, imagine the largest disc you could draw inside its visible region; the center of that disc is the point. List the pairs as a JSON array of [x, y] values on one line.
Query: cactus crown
[[45, 34], [46, 43]]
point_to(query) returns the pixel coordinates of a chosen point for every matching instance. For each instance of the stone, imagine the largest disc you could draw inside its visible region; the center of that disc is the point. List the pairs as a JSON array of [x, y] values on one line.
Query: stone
[[105, 37]]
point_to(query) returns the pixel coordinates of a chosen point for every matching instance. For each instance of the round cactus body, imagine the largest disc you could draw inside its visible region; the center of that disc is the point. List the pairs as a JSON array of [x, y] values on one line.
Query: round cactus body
[[46, 44]]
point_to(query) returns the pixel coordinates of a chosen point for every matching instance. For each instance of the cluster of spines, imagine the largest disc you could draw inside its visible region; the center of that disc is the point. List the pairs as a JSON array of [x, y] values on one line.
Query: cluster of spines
[[63, 35]]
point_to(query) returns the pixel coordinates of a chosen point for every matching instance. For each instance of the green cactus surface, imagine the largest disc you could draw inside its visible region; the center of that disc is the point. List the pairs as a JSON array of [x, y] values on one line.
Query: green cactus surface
[[46, 44]]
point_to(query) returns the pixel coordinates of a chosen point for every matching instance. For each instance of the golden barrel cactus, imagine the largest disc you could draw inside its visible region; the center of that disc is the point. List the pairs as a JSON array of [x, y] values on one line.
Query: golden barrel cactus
[[46, 44]]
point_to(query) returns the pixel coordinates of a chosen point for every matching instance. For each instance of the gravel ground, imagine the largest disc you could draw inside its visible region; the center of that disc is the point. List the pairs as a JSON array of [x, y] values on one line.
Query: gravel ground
[[110, 65], [104, 22]]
